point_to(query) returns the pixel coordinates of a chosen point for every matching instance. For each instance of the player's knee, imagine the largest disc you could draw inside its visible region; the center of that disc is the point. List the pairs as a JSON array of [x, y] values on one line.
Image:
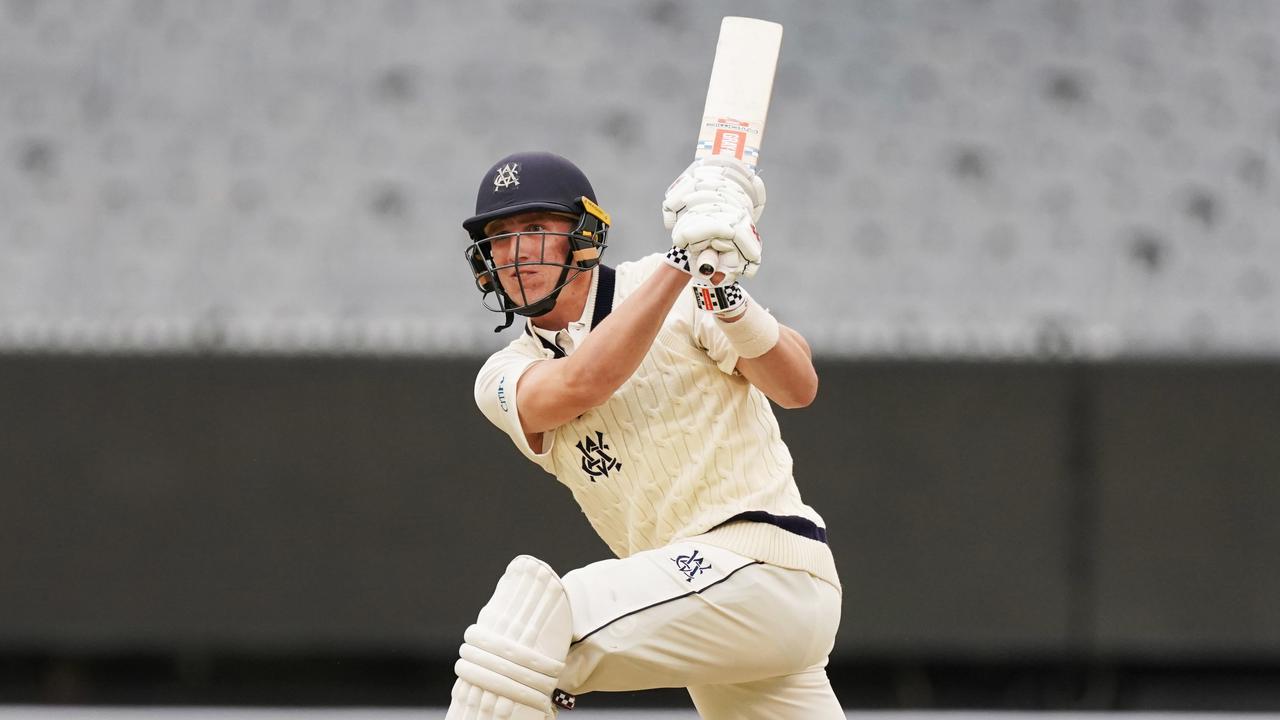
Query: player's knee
[[514, 653]]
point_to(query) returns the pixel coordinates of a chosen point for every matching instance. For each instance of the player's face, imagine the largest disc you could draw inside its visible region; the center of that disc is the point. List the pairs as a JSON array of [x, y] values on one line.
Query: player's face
[[529, 263]]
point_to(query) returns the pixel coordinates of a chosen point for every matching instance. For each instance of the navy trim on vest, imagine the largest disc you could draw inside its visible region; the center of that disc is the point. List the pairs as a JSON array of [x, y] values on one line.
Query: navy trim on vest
[[794, 524], [604, 296], [604, 306]]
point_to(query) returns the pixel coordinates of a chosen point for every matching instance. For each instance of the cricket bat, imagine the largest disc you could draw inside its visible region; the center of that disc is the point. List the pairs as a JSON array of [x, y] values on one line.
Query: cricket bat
[[738, 98]]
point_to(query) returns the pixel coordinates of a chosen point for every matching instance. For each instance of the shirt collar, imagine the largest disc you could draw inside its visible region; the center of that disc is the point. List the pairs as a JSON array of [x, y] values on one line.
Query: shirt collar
[[598, 305]]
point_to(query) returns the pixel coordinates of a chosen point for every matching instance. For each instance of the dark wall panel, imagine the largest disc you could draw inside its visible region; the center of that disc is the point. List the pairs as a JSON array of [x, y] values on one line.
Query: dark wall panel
[[944, 490], [1188, 547], [258, 503], [360, 505]]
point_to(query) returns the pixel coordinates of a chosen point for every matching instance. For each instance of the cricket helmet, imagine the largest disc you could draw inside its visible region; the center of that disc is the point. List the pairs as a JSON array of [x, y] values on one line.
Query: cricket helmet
[[529, 182]]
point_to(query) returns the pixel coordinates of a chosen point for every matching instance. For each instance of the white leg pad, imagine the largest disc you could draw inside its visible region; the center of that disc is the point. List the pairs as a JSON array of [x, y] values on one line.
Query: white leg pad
[[514, 653]]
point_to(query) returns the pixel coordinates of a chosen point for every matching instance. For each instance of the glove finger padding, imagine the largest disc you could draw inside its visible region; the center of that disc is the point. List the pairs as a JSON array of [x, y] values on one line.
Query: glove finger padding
[[744, 241], [695, 230], [734, 268], [740, 253], [675, 200], [732, 180], [746, 178], [691, 195], [732, 169], [717, 196]]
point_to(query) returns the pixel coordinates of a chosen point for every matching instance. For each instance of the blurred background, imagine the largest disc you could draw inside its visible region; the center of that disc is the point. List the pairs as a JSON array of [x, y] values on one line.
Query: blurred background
[[1033, 244]]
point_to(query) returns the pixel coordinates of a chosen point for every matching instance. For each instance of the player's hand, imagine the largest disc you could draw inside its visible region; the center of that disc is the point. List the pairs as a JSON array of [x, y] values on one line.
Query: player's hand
[[715, 179], [740, 256], [725, 229]]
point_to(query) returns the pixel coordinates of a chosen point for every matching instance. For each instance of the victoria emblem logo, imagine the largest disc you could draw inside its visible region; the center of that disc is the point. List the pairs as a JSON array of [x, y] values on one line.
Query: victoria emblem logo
[[507, 176], [691, 565], [596, 460]]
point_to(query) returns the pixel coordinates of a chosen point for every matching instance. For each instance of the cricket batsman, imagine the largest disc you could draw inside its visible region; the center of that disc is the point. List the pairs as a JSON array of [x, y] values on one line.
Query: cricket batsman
[[647, 393]]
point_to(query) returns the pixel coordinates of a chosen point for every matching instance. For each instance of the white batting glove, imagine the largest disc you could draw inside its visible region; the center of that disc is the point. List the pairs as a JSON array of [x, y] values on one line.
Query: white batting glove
[[739, 257], [726, 229], [714, 179]]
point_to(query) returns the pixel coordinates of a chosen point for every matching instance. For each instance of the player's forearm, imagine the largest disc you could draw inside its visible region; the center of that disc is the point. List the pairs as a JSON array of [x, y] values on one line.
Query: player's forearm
[[785, 373], [557, 391], [612, 352]]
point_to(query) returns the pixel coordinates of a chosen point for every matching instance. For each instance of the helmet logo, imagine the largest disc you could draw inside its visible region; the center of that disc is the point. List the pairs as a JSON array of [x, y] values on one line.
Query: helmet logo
[[507, 176]]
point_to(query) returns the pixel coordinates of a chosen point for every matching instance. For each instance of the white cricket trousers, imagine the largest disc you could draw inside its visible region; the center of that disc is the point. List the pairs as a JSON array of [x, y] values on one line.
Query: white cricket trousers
[[749, 640]]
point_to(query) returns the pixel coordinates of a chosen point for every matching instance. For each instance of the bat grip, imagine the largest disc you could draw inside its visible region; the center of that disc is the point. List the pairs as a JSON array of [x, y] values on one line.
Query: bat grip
[[707, 261]]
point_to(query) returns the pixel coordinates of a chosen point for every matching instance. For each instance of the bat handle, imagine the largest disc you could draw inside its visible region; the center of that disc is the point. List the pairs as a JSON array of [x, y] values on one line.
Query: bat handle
[[707, 261]]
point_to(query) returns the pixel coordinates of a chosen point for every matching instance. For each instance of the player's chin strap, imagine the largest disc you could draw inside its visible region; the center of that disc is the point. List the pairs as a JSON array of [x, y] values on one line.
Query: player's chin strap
[[513, 655]]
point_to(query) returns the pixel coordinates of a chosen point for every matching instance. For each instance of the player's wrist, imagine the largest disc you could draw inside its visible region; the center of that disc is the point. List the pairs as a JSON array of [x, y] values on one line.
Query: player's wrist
[[750, 329], [732, 315], [753, 331], [680, 259], [729, 298]]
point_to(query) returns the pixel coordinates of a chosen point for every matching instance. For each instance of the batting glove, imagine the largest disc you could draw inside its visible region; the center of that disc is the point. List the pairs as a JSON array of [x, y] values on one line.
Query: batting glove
[[713, 205], [725, 229], [724, 301], [714, 179]]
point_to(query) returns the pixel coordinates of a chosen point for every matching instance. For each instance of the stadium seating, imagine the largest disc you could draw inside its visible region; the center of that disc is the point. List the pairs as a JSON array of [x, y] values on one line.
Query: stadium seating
[[981, 178]]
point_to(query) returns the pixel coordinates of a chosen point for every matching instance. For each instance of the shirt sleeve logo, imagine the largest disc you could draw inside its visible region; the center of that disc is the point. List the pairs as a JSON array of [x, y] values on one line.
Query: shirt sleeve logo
[[596, 460], [502, 393]]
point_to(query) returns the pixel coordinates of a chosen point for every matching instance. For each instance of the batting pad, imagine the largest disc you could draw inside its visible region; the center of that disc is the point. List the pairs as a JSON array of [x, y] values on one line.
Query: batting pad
[[511, 657]]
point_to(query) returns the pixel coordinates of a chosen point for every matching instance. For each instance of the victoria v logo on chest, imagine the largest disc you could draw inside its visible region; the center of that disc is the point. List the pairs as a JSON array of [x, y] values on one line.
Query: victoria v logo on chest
[[596, 459]]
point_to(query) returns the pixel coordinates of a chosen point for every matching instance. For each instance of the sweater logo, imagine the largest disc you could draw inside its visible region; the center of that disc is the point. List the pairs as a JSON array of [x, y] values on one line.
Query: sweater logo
[[596, 460]]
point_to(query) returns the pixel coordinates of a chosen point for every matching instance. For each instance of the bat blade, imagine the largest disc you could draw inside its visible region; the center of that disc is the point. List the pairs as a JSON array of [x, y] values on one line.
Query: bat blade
[[738, 94], [739, 90]]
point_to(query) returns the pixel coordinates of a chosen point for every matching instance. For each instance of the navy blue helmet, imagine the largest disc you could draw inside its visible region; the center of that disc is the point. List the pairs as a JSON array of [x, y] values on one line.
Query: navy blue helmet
[[531, 182]]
